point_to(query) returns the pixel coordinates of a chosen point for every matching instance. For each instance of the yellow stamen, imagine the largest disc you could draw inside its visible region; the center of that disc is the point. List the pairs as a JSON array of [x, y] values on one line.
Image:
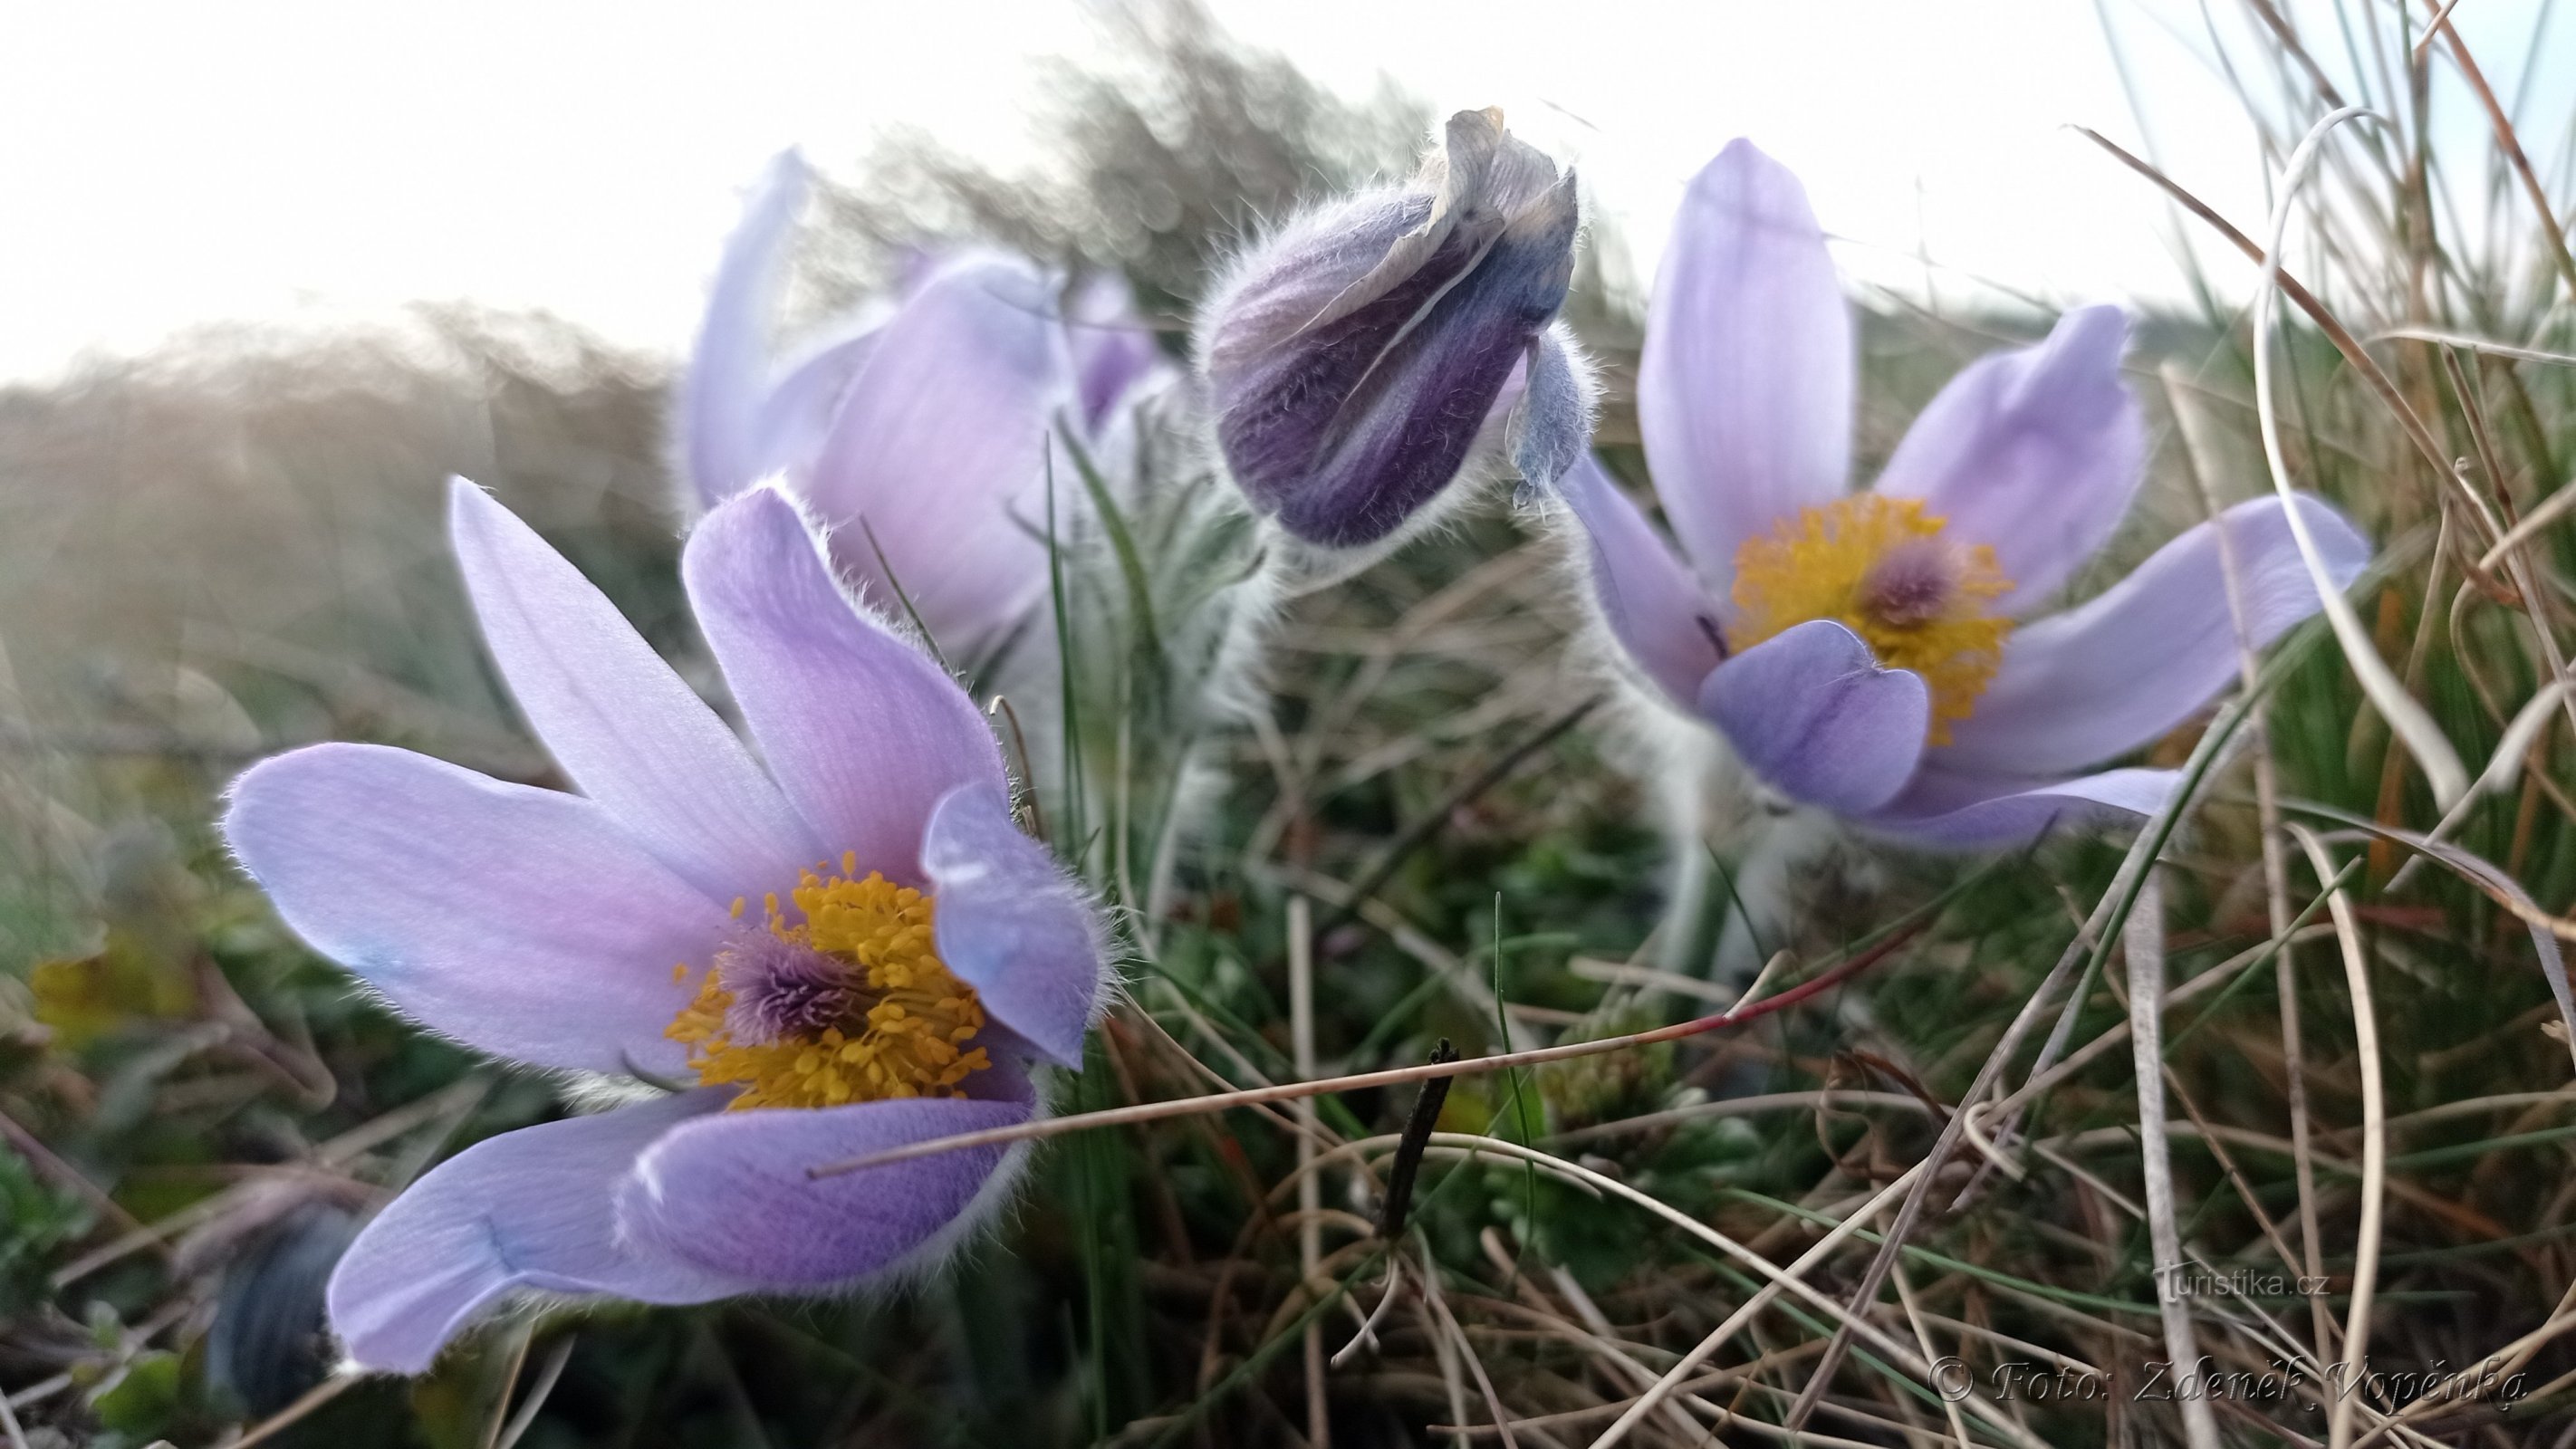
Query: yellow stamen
[[1829, 563], [906, 1034]]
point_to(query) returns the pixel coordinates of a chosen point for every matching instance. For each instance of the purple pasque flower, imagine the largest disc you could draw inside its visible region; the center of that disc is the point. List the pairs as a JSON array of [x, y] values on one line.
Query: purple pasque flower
[[917, 430], [1369, 350], [851, 948], [1872, 653]]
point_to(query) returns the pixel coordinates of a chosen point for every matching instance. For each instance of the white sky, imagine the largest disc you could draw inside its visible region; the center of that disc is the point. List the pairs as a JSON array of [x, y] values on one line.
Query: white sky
[[172, 164]]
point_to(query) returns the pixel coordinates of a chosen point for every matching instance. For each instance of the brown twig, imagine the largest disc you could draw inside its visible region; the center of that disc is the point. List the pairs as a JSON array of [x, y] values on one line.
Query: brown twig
[[1397, 1076]]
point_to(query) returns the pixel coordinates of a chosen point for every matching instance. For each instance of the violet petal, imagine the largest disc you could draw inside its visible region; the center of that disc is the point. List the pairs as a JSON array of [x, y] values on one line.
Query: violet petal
[[625, 728], [527, 1210], [2034, 452], [1947, 810], [863, 731], [1744, 391], [1811, 712], [1012, 924], [729, 1194], [521, 921], [2151, 651], [1651, 602]]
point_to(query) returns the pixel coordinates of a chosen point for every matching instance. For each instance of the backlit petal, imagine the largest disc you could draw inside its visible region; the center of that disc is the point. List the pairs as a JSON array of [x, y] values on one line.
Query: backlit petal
[[625, 728], [729, 369], [517, 920], [939, 454], [863, 731], [1744, 392], [1649, 599]]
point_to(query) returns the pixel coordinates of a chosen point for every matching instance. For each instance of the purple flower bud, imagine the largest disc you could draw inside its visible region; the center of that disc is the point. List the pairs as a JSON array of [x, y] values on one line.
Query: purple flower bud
[[1361, 358]]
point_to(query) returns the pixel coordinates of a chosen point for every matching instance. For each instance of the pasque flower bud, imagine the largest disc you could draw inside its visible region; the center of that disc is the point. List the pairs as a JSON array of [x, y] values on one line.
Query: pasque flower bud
[[1371, 350]]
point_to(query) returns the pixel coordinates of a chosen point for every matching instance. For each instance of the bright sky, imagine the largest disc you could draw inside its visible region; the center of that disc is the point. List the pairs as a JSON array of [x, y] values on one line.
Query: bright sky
[[172, 164]]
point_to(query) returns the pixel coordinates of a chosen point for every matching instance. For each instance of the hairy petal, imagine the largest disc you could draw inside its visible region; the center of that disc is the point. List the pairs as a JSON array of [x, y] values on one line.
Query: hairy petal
[[864, 731], [1550, 424], [1651, 602], [728, 376], [1744, 392], [1812, 713], [625, 728], [527, 1210], [939, 454], [2151, 651], [1355, 359], [729, 1195], [1012, 924], [797, 415], [2035, 452], [1114, 352], [517, 920], [1946, 810]]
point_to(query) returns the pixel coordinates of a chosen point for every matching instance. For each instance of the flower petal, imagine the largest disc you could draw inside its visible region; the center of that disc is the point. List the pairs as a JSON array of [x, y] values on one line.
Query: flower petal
[[941, 436], [1114, 351], [2035, 452], [1811, 711], [1012, 924], [729, 369], [625, 728], [729, 1195], [2150, 652], [1947, 810], [1744, 394], [1354, 359], [518, 920], [797, 414], [1549, 425], [863, 731], [532, 1209], [1652, 604]]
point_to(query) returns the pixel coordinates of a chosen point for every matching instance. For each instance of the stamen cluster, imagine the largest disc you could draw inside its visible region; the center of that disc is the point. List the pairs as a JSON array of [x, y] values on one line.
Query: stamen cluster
[[1879, 566], [849, 1003]]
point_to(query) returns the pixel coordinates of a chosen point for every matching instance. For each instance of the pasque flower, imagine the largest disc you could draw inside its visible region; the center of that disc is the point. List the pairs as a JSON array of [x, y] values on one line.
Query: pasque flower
[[1873, 653], [851, 948], [917, 432], [1370, 350]]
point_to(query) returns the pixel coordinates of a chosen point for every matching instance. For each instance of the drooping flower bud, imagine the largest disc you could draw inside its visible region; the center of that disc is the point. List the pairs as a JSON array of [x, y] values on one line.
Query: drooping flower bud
[[1371, 350]]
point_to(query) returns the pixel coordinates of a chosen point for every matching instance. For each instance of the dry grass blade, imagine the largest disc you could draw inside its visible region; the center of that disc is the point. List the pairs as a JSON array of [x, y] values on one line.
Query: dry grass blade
[[2341, 336], [547, 1374], [2510, 144], [2423, 738], [2468, 343], [2374, 1142], [2143, 943], [1310, 1226], [1735, 1322], [1396, 1076]]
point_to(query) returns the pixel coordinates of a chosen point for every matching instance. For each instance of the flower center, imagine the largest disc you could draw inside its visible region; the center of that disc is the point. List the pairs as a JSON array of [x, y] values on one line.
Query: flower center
[[1880, 567], [850, 1003]]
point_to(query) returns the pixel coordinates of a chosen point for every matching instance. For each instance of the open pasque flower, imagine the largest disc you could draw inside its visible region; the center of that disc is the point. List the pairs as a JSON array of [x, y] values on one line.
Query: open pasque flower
[[918, 430], [848, 949], [1365, 354], [1871, 653]]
